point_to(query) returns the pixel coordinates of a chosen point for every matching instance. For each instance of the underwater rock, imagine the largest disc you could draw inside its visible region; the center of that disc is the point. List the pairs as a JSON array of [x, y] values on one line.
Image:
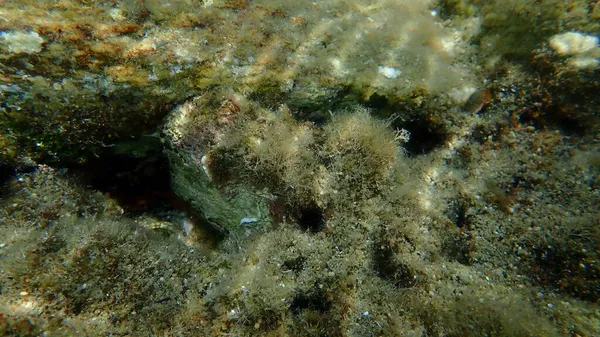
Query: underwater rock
[[411, 218], [87, 77], [583, 49], [573, 43], [235, 160], [192, 133]]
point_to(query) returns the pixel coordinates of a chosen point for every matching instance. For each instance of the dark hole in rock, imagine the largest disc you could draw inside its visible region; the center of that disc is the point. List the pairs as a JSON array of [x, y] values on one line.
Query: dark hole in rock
[[457, 213], [6, 172], [568, 120], [316, 301], [310, 218], [377, 101], [296, 265], [425, 136], [388, 268], [139, 184], [140, 181]]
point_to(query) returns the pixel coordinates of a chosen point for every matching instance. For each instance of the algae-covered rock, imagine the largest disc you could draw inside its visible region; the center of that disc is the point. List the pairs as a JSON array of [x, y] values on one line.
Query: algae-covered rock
[[377, 241], [516, 27], [355, 188], [77, 79], [193, 132], [69, 255], [235, 160]]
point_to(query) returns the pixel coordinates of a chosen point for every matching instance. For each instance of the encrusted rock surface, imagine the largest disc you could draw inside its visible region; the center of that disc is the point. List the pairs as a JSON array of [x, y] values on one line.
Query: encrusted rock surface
[[347, 168], [78, 77]]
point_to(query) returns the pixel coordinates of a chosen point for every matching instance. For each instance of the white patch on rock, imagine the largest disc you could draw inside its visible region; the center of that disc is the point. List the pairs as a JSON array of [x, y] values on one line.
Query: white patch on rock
[[389, 72], [573, 43], [22, 42], [584, 62]]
